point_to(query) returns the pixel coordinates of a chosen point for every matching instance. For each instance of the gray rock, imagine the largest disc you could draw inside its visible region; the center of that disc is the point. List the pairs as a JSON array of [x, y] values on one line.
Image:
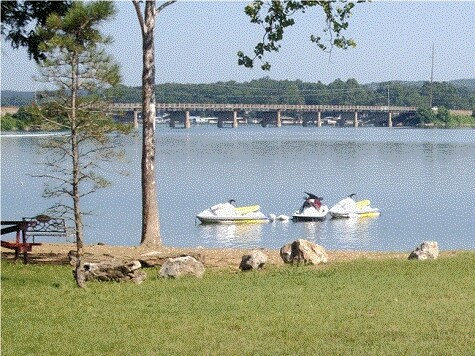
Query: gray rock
[[155, 258], [426, 250], [181, 266], [304, 251], [117, 271], [286, 253], [255, 260]]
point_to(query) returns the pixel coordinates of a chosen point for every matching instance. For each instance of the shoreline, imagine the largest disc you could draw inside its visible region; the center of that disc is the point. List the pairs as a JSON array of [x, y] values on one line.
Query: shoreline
[[217, 258]]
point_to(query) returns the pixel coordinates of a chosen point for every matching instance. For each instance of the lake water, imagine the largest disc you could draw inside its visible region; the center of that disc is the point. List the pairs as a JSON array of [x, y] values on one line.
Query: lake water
[[422, 180]]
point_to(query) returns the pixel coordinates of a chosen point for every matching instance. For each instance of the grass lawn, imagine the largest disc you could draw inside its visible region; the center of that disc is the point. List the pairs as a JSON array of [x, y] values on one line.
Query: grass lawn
[[380, 307]]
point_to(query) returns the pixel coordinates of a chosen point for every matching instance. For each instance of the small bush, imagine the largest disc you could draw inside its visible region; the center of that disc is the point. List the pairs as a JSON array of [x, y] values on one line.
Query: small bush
[[9, 123]]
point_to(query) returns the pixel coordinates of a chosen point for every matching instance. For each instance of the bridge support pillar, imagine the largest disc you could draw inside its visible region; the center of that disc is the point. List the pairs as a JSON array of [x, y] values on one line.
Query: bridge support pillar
[[187, 119], [319, 119], [224, 116], [179, 116], [136, 119], [390, 119], [355, 122], [278, 119], [235, 121]]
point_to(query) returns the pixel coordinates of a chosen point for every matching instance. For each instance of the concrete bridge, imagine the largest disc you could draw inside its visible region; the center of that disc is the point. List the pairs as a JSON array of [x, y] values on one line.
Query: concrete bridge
[[229, 112]]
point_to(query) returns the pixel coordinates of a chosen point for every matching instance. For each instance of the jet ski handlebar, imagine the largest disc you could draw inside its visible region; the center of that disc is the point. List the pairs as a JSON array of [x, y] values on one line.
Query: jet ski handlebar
[[313, 196]]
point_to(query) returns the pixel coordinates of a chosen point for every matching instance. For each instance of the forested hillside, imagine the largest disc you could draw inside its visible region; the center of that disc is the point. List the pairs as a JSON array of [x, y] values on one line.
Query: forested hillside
[[17, 98], [457, 94]]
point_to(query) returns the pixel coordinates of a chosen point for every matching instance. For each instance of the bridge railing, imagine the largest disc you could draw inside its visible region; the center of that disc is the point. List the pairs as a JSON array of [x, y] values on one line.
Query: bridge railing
[[263, 107]]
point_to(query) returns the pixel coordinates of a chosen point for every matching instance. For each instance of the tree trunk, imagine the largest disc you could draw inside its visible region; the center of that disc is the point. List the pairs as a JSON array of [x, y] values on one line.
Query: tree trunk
[[75, 184], [150, 219]]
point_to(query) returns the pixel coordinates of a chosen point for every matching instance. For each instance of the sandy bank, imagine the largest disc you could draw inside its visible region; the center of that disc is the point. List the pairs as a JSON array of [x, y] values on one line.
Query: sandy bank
[[212, 258]]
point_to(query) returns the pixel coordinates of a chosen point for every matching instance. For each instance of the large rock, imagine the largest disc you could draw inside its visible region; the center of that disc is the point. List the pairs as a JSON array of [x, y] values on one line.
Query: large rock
[[304, 251], [182, 266], [108, 270], [117, 271], [157, 258], [426, 250], [254, 260]]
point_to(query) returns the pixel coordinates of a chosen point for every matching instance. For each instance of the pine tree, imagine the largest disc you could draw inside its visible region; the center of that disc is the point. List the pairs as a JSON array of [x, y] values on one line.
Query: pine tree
[[77, 64]]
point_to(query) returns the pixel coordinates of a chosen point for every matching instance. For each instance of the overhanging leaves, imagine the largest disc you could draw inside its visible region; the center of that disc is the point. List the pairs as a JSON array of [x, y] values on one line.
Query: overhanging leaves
[[276, 16]]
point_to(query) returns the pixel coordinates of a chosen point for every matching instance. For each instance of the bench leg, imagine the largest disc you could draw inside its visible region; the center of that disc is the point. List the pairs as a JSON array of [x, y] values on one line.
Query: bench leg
[[25, 252], [17, 250]]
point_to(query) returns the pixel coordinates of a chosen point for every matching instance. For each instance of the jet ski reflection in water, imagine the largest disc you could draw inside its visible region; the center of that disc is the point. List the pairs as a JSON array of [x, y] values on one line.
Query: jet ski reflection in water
[[311, 210], [227, 213], [349, 208]]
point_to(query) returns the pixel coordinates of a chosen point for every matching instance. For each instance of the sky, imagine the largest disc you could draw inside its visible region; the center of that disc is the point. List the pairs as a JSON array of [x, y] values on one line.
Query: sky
[[198, 41]]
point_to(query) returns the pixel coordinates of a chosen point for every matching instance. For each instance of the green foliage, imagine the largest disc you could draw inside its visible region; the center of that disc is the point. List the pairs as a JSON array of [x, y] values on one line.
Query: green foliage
[[448, 95], [24, 119], [77, 62], [8, 122], [460, 121], [266, 90], [20, 19], [363, 307], [276, 16], [78, 66], [269, 91], [425, 116], [124, 94], [441, 117]]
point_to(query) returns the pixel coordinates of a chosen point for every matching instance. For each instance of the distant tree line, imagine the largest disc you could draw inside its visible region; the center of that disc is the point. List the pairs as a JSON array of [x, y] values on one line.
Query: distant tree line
[[269, 91], [440, 117], [338, 92], [445, 96]]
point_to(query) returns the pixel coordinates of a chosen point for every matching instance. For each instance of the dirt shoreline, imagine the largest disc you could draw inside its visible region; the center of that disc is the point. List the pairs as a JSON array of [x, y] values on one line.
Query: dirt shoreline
[[228, 258]]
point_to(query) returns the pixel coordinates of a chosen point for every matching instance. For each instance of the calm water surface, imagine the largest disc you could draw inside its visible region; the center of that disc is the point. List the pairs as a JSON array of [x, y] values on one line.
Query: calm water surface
[[422, 180]]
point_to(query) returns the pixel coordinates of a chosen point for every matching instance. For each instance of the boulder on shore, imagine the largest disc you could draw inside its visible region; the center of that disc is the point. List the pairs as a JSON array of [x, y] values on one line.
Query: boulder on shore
[[108, 270], [426, 250], [115, 271], [182, 266], [304, 251], [254, 260]]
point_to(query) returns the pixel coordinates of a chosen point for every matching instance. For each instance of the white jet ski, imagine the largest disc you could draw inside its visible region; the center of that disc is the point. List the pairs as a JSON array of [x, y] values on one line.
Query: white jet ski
[[227, 213], [349, 208], [311, 210]]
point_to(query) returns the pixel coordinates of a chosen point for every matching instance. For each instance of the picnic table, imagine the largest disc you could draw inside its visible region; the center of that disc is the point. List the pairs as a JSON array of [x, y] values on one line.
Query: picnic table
[[40, 225]]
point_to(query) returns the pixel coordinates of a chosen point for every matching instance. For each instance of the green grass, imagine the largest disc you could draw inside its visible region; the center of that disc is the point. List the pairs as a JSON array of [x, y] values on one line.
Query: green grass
[[360, 307]]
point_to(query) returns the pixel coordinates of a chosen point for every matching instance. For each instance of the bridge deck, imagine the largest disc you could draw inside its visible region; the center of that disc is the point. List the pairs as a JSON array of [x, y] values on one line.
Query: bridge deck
[[263, 107]]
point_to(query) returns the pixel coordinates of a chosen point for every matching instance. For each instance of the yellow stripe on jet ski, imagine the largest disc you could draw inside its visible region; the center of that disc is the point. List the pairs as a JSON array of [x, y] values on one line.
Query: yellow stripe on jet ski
[[247, 209], [368, 215], [260, 221], [362, 203], [236, 222]]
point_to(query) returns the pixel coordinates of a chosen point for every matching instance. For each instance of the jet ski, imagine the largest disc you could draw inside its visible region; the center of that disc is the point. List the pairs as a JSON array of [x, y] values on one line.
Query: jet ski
[[349, 208], [227, 213], [311, 210]]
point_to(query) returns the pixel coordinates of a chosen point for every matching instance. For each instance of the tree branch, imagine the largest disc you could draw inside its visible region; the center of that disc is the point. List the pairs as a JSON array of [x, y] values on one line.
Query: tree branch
[[164, 5], [139, 16]]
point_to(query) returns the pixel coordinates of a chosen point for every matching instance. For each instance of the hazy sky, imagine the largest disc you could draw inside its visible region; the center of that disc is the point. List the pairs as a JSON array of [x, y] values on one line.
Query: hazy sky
[[197, 42]]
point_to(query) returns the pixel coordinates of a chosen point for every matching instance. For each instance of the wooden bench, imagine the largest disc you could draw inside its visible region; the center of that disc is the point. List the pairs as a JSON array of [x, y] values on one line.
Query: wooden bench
[[39, 226]]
